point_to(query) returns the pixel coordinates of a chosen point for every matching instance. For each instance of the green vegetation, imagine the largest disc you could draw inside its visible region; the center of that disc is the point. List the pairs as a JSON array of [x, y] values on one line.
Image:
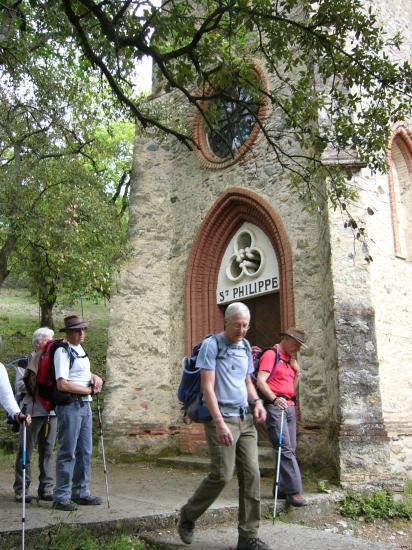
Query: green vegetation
[[323, 486], [65, 537], [378, 505], [327, 58]]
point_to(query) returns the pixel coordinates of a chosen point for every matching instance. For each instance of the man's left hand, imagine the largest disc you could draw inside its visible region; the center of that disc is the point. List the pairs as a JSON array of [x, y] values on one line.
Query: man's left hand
[[259, 412]]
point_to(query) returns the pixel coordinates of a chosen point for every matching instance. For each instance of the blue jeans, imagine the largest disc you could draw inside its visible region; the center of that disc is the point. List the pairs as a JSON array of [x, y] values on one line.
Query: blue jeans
[[73, 457]]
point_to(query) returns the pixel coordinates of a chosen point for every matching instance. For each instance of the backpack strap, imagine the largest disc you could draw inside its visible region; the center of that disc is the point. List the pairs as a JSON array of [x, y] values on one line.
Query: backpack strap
[[221, 344], [72, 353], [247, 346]]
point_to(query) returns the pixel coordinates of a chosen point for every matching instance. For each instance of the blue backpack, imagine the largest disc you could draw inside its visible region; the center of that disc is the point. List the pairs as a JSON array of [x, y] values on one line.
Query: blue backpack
[[190, 393]]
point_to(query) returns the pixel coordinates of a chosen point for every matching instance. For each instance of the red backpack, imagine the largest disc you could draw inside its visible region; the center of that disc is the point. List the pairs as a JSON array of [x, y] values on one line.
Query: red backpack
[[46, 391]]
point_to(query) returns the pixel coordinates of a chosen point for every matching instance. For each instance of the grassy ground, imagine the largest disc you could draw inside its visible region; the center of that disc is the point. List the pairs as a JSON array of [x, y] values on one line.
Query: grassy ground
[[19, 318], [64, 537]]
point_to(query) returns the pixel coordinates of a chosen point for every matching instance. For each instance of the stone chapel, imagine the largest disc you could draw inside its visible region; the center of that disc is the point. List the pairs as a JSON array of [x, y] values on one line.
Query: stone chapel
[[208, 229]]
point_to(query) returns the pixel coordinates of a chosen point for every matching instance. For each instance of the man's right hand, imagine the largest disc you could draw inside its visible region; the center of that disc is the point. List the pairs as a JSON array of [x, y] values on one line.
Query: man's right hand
[[224, 435], [281, 402]]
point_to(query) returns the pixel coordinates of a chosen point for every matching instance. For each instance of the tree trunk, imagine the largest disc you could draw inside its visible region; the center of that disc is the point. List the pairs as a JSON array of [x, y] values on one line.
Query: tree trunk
[[5, 251], [47, 299], [46, 309]]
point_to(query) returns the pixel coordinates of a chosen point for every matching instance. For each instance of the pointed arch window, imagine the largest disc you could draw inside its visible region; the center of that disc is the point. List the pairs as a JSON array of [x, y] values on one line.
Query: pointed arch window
[[400, 186]]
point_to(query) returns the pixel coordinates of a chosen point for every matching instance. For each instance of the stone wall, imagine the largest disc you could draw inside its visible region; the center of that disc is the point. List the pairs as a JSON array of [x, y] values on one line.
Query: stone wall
[[391, 281], [140, 389]]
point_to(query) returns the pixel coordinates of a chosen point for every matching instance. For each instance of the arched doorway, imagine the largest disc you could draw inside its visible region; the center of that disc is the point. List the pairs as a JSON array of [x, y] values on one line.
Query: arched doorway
[[202, 312], [270, 313]]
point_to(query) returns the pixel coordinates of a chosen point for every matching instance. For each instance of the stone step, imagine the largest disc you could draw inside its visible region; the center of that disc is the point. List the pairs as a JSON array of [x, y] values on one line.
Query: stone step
[[201, 463]]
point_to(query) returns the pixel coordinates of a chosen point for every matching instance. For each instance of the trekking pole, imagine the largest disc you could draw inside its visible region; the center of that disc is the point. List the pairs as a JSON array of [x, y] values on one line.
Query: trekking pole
[[99, 416], [278, 465], [23, 515]]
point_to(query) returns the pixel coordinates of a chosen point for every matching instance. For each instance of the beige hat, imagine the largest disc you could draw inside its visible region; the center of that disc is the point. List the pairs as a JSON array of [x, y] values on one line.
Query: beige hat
[[73, 322], [296, 334]]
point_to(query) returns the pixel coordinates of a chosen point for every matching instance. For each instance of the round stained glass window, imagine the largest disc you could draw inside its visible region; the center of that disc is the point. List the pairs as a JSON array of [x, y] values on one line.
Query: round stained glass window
[[234, 120], [229, 125]]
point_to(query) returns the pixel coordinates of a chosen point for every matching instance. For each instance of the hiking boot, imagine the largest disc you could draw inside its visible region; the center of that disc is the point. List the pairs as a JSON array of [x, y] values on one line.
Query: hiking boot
[[296, 500], [252, 544], [19, 498], [87, 501], [48, 497], [65, 505], [185, 528]]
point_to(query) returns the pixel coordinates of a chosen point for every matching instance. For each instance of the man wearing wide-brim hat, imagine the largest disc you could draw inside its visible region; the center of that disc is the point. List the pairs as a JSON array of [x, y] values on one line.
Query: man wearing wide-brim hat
[[73, 376], [277, 382]]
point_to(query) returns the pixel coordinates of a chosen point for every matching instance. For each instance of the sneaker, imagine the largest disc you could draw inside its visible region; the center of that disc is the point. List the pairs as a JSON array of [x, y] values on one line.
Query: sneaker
[[87, 501], [185, 528], [19, 498], [296, 500], [252, 544], [66, 506]]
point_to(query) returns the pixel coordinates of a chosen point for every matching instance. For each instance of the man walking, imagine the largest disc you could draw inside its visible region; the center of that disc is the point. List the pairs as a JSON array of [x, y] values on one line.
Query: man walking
[[72, 369], [277, 381], [226, 364]]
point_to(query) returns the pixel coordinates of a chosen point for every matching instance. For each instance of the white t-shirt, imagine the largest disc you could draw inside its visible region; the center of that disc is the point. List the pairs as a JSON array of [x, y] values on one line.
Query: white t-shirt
[[80, 371]]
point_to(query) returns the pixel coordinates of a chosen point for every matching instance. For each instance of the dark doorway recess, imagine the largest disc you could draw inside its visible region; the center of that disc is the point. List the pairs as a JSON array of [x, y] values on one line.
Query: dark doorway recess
[[265, 322]]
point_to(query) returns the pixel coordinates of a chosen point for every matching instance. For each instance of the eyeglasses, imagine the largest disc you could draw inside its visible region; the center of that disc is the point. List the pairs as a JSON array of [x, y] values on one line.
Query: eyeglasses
[[84, 329], [239, 326]]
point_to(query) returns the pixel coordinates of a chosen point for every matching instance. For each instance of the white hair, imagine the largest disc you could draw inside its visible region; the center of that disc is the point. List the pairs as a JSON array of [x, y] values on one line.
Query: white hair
[[42, 333], [236, 308]]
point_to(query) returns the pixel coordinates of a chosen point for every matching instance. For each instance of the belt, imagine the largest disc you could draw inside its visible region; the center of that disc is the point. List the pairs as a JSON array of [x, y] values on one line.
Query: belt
[[227, 410], [80, 397]]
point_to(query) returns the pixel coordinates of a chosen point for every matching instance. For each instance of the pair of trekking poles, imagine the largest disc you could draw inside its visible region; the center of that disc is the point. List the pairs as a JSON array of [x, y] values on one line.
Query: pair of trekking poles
[[23, 516]]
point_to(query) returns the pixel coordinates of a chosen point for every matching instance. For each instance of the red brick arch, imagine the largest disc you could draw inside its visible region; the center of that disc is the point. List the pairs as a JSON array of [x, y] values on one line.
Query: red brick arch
[[402, 137], [234, 207]]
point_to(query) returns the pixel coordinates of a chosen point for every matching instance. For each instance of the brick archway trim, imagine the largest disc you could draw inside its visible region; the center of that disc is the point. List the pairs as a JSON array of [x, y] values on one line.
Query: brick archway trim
[[231, 210], [402, 137]]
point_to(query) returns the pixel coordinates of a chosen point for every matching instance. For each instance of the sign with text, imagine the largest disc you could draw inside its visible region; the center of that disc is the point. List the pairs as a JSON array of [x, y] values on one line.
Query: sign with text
[[249, 266]]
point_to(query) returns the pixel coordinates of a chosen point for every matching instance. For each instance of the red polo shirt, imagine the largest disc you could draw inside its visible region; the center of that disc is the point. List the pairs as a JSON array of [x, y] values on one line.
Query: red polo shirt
[[281, 381]]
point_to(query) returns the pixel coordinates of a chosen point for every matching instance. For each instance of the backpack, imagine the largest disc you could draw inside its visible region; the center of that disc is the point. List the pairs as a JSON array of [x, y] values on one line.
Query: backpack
[[190, 393], [257, 353], [40, 378]]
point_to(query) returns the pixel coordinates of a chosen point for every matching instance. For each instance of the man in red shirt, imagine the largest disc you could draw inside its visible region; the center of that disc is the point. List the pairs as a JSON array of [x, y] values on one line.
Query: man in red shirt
[[277, 381]]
